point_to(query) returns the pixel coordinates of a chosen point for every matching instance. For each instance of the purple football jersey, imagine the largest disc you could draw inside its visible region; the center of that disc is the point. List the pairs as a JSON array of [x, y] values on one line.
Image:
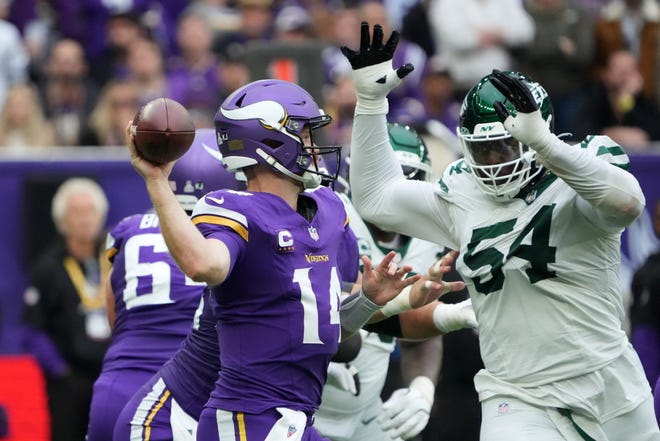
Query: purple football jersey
[[154, 301], [278, 310]]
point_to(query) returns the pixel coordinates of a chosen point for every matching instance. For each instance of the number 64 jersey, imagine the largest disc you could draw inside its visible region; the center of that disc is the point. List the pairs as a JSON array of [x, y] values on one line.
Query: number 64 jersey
[[543, 278], [277, 311]]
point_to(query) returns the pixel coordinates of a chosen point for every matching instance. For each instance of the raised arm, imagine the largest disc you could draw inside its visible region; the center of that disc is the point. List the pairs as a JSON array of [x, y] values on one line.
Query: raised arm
[[610, 196], [201, 259], [380, 192]]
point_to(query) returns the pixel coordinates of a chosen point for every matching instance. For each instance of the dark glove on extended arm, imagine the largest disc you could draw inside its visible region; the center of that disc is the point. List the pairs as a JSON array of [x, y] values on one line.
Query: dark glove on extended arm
[[371, 53], [373, 75]]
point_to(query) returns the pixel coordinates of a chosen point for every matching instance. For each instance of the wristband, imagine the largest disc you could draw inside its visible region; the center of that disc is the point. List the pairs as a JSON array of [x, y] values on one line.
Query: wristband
[[424, 386], [399, 304], [452, 317], [355, 311]]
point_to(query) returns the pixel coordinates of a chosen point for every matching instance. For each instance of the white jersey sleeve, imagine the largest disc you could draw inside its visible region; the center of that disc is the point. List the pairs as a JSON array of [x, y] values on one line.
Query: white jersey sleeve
[[597, 170], [383, 196]]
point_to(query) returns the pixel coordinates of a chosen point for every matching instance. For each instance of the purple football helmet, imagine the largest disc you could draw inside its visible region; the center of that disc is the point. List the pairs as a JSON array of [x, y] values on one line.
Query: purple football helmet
[[264, 121], [200, 171]]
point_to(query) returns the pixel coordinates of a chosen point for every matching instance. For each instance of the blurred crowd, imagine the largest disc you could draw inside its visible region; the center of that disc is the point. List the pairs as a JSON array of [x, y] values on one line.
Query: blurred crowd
[[73, 72]]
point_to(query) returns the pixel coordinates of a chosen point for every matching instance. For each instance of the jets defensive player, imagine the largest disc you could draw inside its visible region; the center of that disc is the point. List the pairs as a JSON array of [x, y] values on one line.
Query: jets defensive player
[[150, 302], [346, 414], [538, 225]]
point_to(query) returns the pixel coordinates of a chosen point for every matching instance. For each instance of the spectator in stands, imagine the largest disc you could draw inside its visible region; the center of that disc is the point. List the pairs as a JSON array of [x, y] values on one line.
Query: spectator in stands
[[13, 56], [442, 111], [293, 23], [233, 72], [118, 103], [221, 16], [645, 309], [146, 67], [560, 55], [156, 16], [192, 74], [121, 30], [66, 91], [438, 89], [66, 328], [340, 104], [618, 108], [257, 21], [476, 36], [22, 121], [634, 26], [345, 21], [416, 27]]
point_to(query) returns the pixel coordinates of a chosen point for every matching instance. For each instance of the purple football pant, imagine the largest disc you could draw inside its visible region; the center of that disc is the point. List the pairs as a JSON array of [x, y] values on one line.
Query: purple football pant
[[112, 390], [278, 424], [153, 414]]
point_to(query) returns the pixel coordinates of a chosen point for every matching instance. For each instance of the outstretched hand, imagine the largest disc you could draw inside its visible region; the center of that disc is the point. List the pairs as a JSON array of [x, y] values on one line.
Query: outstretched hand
[[374, 52], [431, 286], [373, 75], [526, 123], [382, 283]]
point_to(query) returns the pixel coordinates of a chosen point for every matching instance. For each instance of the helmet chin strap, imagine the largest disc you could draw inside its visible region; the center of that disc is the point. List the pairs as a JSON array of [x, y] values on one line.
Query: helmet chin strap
[[309, 180]]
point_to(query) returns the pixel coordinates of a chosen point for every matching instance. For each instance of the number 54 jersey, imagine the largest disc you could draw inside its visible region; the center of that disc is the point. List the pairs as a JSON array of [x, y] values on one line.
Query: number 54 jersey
[[278, 310], [543, 278]]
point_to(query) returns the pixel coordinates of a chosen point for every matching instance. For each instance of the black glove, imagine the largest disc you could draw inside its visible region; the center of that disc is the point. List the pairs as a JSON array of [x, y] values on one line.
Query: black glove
[[526, 124], [516, 92], [373, 76], [374, 52]]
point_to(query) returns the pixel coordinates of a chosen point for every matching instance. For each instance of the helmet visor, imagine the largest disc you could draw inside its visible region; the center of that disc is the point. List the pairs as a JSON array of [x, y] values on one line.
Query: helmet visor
[[494, 151]]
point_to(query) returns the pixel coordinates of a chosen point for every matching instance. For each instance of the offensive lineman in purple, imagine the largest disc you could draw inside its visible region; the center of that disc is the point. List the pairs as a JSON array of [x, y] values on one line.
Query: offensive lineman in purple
[[151, 300]]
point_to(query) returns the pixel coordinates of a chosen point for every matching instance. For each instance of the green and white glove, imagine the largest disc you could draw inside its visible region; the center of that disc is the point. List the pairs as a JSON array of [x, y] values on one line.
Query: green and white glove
[[373, 75]]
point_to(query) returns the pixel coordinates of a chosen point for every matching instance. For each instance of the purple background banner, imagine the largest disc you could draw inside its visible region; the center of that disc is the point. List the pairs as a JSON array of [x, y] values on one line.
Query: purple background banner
[[26, 186]]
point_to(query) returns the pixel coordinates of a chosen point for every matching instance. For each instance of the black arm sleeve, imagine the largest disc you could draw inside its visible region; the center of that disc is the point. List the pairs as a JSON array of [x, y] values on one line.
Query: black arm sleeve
[[390, 326], [348, 349]]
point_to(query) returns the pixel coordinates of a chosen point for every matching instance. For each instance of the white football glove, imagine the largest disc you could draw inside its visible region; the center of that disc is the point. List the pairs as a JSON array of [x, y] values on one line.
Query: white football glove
[[344, 376], [449, 317], [407, 411], [373, 75]]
